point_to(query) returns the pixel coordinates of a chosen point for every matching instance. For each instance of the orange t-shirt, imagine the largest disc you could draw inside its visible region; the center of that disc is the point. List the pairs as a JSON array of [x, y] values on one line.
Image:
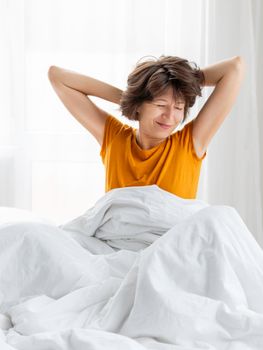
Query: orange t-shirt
[[173, 164]]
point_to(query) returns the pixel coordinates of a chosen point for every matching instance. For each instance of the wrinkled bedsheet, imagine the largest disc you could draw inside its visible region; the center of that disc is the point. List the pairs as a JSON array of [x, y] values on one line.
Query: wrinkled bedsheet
[[142, 269]]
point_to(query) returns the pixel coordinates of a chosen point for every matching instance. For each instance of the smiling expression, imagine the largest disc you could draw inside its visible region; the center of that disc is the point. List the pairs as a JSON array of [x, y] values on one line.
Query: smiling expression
[[159, 118]]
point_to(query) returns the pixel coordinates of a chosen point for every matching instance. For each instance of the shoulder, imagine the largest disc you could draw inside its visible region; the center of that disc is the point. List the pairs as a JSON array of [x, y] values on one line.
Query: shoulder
[[114, 129], [185, 138], [115, 124], [183, 135]]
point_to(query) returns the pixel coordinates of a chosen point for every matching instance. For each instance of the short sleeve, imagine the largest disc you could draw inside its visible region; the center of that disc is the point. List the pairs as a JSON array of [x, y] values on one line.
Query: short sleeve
[[112, 128], [186, 140]]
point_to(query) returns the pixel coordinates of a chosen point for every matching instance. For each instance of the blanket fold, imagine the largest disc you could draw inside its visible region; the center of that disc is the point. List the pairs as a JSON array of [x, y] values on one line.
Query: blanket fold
[[141, 269]]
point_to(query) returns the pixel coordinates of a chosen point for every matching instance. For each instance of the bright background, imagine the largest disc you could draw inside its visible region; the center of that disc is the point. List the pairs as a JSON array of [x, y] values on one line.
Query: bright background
[[50, 164]]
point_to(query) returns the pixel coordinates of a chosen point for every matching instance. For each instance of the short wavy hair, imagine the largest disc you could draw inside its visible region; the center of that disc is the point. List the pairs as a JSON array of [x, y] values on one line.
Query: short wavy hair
[[152, 77]]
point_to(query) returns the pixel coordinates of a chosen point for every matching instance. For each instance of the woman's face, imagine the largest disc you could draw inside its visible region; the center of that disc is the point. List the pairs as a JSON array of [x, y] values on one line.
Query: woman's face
[[158, 118]]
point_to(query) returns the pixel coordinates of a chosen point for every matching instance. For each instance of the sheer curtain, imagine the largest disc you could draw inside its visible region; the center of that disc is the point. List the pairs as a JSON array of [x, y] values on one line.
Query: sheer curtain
[[233, 168], [50, 164]]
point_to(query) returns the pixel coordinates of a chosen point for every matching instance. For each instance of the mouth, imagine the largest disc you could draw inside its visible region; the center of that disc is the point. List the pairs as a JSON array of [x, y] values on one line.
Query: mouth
[[164, 126]]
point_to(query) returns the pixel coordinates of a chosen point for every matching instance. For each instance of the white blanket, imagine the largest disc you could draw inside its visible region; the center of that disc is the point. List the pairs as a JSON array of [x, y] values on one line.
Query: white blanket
[[142, 269]]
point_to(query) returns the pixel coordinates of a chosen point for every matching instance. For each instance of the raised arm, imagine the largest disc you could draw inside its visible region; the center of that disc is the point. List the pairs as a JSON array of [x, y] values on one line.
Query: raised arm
[[72, 88], [226, 76]]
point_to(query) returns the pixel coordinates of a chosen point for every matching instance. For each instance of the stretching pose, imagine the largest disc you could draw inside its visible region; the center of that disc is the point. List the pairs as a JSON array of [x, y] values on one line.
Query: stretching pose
[[159, 94]]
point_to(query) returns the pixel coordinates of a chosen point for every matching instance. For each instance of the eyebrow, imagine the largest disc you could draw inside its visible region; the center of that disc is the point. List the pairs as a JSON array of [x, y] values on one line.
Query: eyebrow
[[162, 99]]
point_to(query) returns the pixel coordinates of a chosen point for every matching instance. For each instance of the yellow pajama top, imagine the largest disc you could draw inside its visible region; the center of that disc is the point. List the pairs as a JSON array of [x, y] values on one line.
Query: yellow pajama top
[[173, 164]]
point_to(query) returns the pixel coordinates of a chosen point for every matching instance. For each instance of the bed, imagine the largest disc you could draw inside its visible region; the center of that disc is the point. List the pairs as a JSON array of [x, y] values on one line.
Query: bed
[[141, 269]]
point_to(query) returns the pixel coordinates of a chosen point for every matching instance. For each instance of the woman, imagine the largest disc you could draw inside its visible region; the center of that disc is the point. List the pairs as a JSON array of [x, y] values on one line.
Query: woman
[[159, 94]]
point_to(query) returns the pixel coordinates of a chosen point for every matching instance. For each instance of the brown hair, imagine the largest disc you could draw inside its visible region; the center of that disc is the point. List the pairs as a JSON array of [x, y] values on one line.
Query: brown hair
[[152, 77]]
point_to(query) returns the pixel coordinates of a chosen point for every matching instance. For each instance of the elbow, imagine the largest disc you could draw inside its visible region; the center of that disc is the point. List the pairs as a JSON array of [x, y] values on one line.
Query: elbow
[[238, 67], [52, 73], [239, 63]]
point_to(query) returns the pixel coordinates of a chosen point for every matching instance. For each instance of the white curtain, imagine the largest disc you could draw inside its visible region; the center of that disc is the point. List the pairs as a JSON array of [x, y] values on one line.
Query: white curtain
[[233, 167], [50, 164]]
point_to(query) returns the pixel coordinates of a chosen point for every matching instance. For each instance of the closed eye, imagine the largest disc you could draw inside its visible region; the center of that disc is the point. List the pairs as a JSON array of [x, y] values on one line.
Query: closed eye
[[180, 109]]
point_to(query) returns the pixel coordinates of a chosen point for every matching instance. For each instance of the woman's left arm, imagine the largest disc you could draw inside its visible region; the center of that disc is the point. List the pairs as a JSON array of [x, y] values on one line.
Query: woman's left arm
[[226, 76]]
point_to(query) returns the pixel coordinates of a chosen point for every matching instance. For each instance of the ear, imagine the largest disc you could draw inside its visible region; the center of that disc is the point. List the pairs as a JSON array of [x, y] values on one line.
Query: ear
[[137, 113]]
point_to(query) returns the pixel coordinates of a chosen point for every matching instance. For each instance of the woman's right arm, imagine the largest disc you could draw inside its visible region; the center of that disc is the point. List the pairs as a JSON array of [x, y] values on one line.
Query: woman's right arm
[[72, 88]]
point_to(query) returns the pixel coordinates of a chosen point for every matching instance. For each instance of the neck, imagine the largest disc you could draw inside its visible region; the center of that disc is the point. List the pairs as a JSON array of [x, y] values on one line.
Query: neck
[[144, 143]]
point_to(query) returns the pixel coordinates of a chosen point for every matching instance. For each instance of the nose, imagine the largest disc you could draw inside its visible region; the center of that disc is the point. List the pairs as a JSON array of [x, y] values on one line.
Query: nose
[[170, 114]]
